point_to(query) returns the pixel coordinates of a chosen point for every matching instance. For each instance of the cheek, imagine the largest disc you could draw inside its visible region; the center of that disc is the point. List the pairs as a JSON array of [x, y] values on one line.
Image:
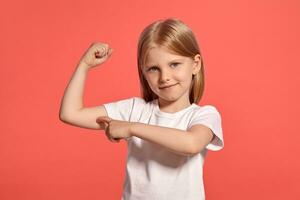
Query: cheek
[[184, 77], [151, 79], [185, 81]]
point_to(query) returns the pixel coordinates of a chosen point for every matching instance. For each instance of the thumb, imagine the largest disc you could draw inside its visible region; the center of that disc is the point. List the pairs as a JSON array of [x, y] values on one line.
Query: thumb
[[110, 52]]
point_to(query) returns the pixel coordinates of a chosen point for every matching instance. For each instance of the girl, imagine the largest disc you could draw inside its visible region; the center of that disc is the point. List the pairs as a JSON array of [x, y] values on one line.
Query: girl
[[167, 133]]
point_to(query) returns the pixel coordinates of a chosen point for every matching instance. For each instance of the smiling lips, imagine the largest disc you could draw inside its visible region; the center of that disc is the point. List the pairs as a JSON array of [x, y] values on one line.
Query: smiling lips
[[167, 86]]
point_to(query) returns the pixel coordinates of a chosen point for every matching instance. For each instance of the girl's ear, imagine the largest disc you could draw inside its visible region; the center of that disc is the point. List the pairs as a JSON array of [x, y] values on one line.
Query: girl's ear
[[197, 64]]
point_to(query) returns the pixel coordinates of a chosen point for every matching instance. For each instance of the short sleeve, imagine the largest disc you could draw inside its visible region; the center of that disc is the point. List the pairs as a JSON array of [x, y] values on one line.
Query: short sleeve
[[210, 117], [120, 110]]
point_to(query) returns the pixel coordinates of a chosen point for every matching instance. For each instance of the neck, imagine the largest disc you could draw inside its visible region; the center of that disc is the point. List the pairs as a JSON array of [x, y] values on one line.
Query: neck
[[172, 106]]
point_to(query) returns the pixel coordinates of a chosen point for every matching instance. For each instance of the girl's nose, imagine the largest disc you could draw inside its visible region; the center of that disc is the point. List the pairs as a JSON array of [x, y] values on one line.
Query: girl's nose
[[164, 77]]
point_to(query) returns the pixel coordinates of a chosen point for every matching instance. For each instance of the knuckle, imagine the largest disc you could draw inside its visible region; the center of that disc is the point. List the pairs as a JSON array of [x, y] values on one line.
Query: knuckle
[[95, 43]]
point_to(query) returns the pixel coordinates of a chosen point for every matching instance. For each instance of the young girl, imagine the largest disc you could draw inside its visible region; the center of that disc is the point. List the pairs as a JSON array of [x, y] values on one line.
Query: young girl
[[166, 132]]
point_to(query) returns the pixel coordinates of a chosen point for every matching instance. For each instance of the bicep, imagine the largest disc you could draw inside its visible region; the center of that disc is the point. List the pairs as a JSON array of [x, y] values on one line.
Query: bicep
[[201, 136], [86, 117]]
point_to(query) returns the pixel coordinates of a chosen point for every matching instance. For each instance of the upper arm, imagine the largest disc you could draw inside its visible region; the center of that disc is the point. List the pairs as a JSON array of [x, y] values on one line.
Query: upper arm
[[201, 136], [85, 117]]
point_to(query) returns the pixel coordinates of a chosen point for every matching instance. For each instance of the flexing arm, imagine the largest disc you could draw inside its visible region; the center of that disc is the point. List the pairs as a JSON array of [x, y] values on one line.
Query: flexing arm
[[72, 110]]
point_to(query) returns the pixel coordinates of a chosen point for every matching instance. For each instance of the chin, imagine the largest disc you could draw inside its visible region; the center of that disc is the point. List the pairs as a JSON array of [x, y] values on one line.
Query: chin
[[168, 98]]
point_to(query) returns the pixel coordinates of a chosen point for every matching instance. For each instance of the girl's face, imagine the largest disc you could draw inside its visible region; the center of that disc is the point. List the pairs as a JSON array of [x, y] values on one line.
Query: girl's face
[[169, 75]]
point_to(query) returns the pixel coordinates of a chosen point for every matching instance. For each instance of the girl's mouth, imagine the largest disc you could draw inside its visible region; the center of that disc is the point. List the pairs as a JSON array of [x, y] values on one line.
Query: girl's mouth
[[168, 86]]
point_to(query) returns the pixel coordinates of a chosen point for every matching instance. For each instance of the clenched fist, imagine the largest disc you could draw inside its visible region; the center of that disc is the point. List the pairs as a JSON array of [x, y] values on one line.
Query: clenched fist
[[96, 54]]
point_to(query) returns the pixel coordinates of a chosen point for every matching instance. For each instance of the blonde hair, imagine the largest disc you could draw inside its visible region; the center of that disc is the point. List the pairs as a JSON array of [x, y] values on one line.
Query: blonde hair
[[178, 38]]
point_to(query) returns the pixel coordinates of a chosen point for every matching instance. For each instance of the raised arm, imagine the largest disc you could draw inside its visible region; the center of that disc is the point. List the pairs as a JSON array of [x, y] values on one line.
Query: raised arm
[[72, 110]]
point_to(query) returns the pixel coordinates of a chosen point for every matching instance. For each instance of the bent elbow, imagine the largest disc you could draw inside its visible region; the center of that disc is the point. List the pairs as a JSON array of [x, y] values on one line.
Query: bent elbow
[[195, 148], [62, 117], [194, 151]]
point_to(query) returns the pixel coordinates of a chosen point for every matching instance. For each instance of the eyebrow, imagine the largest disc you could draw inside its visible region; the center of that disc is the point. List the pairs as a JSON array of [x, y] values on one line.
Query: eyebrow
[[172, 61]]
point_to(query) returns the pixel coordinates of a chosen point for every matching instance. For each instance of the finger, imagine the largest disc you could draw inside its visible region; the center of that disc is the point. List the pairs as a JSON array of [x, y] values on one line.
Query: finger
[[103, 125], [115, 140], [109, 52], [108, 134], [103, 119], [111, 138], [102, 47]]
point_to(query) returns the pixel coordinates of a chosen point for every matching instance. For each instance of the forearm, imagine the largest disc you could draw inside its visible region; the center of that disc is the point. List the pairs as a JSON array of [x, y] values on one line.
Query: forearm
[[73, 95], [177, 141]]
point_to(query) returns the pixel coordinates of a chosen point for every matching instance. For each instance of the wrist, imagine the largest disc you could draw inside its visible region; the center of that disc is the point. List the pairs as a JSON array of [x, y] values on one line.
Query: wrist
[[133, 128], [82, 66]]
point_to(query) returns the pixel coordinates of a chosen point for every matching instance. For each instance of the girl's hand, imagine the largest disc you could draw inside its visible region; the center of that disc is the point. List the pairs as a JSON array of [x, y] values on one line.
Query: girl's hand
[[115, 129], [96, 54]]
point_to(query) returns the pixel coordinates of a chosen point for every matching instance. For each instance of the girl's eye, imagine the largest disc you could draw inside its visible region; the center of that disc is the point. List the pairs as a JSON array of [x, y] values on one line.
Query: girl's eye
[[175, 64], [152, 68]]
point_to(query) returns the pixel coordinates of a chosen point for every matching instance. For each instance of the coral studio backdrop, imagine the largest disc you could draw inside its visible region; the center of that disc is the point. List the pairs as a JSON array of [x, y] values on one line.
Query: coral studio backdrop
[[251, 56]]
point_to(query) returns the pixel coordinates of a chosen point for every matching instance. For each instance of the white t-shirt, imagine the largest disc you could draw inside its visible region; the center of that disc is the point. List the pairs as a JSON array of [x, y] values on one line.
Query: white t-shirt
[[152, 171]]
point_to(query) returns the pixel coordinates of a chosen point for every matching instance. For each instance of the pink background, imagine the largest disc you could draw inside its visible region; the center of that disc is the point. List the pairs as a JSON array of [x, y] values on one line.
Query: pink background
[[251, 54]]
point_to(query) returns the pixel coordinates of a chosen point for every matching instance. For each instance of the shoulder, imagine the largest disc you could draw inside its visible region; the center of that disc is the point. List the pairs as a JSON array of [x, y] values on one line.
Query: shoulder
[[120, 102], [122, 109], [139, 100], [208, 113], [209, 116], [141, 105], [207, 109], [130, 102]]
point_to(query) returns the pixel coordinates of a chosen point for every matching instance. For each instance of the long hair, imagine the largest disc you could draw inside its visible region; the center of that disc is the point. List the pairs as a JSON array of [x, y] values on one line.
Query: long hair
[[178, 38]]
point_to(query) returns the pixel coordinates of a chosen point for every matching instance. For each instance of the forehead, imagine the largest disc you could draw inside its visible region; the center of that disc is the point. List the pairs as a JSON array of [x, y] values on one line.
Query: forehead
[[161, 54]]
